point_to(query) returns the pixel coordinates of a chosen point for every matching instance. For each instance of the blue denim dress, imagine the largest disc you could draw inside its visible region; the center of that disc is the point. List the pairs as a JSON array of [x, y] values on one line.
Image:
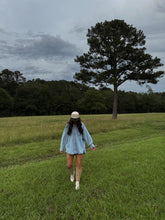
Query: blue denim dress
[[75, 142]]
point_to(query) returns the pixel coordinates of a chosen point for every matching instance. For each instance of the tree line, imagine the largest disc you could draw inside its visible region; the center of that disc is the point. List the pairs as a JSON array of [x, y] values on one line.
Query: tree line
[[19, 97]]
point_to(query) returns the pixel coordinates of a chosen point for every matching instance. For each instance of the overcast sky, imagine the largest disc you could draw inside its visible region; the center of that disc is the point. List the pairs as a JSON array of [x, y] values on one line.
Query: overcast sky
[[41, 38]]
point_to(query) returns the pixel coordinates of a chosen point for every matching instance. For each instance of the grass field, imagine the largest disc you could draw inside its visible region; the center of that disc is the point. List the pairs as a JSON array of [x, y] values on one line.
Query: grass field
[[123, 179]]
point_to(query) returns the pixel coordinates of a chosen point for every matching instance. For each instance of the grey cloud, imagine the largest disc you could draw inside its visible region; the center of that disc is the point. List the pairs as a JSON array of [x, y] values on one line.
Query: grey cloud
[[41, 46], [31, 69], [160, 5], [3, 42], [156, 44], [33, 46], [3, 45], [80, 29], [153, 28], [56, 70], [68, 72], [31, 72], [2, 31]]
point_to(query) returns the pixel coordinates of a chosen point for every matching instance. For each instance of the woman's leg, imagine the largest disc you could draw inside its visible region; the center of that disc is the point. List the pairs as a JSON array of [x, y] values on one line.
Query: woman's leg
[[69, 158], [78, 166]]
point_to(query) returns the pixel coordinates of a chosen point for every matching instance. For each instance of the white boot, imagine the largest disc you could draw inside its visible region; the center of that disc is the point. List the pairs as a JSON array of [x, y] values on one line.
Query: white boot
[[72, 177], [77, 187]]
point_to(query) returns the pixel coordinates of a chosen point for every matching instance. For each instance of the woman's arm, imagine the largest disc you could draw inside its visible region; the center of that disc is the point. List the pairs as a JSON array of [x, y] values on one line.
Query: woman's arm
[[87, 137], [64, 139]]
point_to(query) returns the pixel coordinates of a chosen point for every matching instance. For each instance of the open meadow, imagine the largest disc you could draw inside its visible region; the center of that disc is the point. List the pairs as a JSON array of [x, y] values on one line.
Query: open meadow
[[123, 179]]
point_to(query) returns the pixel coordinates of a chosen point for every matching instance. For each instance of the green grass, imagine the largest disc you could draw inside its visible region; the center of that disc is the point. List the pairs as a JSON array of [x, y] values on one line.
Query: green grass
[[123, 179]]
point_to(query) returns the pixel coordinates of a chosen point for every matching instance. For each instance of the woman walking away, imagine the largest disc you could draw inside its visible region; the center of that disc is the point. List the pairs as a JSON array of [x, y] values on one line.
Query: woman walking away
[[73, 139]]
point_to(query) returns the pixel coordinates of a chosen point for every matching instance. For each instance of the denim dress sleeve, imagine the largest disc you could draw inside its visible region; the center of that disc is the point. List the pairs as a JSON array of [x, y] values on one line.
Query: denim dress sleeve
[[87, 137], [64, 138]]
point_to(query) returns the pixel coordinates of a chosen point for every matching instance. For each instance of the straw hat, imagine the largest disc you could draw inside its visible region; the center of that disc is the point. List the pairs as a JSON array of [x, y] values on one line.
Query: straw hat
[[75, 116]]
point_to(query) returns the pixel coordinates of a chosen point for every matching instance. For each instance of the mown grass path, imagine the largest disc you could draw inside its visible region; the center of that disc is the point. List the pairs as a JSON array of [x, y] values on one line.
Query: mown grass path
[[123, 179]]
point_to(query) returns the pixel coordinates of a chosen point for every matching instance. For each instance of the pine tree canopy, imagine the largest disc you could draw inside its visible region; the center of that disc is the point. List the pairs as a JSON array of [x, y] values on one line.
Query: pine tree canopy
[[117, 54]]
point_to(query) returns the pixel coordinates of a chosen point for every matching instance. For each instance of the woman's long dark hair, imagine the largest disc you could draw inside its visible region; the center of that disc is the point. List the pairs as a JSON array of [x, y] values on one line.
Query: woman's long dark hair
[[79, 126]]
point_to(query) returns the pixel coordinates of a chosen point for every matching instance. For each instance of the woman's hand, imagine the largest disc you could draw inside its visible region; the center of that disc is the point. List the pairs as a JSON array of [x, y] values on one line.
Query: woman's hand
[[61, 152], [94, 147]]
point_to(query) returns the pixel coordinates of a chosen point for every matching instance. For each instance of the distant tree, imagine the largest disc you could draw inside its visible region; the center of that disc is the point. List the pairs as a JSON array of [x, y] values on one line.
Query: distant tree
[[116, 54], [40, 97], [6, 103], [10, 80], [108, 99], [92, 102], [68, 94], [33, 98], [155, 102], [127, 102], [162, 104]]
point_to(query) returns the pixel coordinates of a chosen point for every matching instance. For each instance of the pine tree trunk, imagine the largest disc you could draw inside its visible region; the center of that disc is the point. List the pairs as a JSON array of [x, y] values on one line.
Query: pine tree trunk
[[114, 115]]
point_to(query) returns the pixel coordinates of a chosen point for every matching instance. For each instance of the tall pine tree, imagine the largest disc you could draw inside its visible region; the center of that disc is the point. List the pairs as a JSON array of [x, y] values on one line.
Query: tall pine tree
[[116, 54]]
